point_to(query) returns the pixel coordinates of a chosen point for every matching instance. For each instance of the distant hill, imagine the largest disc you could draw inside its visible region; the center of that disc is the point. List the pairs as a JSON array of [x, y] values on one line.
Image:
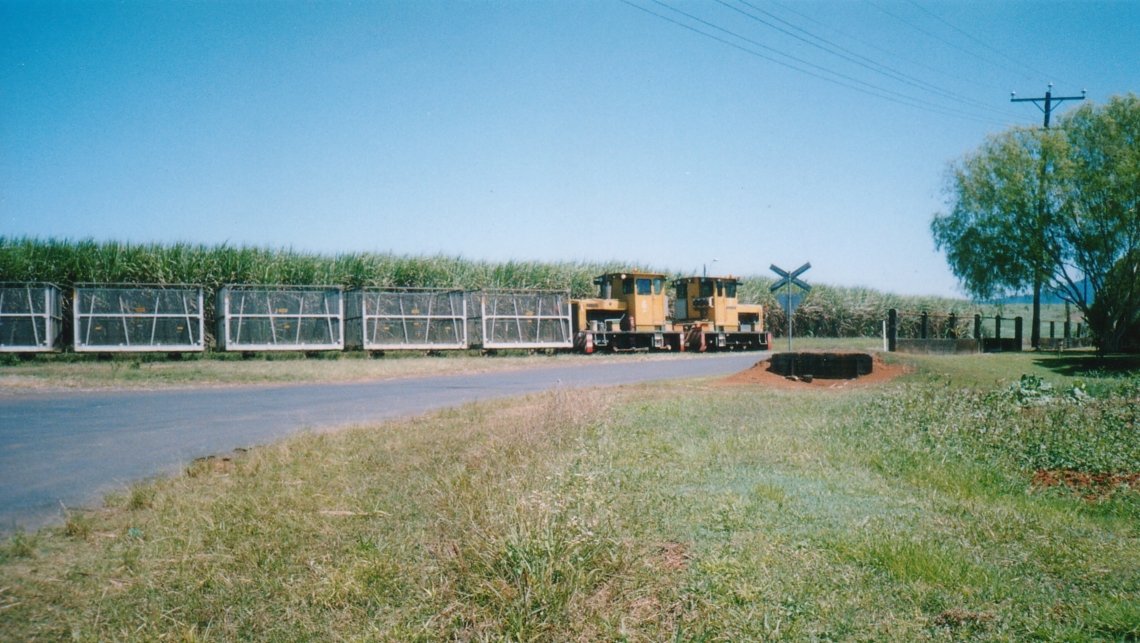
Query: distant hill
[[1046, 297]]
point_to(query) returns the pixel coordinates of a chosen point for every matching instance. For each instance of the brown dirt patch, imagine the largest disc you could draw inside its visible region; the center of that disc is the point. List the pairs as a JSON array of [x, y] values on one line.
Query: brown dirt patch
[[215, 464], [956, 617], [672, 556], [881, 372], [1091, 486]]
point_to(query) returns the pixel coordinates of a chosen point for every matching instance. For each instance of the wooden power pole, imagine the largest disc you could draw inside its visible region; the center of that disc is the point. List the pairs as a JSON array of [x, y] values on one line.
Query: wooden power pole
[[1046, 104]]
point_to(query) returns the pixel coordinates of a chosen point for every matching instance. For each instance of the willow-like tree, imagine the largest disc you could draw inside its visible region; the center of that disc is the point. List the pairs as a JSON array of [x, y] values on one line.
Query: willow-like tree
[[1053, 208]]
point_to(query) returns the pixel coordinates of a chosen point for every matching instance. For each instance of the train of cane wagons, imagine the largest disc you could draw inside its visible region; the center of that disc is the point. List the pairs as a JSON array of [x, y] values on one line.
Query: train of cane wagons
[[633, 311]]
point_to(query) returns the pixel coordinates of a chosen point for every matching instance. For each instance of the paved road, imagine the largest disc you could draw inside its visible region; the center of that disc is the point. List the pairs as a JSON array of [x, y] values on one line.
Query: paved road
[[69, 449]]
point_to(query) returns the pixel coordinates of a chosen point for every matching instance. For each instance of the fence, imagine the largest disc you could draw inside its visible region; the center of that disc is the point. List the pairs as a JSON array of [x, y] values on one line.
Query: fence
[[395, 319], [280, 318], [31, 318], [118, 318], [1056, 335], [928, 333]]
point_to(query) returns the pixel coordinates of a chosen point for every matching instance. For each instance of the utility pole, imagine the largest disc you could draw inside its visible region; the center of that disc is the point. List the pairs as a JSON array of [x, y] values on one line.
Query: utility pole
[[1050, 101]]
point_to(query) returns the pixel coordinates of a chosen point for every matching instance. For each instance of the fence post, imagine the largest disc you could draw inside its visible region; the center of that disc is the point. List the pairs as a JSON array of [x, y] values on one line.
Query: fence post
[[925, 332], [953, 322], [1052, 330], [997, 326], [977, 327], [1017, 324], [892, 330]]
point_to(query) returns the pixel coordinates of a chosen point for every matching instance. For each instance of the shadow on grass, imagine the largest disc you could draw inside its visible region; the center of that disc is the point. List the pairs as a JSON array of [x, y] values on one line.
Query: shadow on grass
[[1087, 363]]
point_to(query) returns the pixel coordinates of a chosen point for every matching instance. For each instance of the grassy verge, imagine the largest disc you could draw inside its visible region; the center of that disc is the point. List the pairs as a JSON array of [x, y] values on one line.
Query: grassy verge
[[686, 511], [126, 372]]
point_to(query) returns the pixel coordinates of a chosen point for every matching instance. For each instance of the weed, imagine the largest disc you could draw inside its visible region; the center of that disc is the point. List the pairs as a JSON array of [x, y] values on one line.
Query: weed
[[141, 496], [77, 526], [1114, 618], [1025, 427], [19, 545]]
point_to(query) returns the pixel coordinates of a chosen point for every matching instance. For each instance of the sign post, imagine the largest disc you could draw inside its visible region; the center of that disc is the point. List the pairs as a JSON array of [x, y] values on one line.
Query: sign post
[[791, 299]]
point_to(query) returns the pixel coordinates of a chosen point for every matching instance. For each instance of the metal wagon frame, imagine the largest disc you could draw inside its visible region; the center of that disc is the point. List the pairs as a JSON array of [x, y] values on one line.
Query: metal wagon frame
[[44, 317], [278, 320], [417, 328], [129, 318], [519, 323]]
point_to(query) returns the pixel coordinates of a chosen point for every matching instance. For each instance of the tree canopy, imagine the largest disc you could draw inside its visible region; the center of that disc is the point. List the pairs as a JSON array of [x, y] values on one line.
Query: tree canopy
[[1059, 207]]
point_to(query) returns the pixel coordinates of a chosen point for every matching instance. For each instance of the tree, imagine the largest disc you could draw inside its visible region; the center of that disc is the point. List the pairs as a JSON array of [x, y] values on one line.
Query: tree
[[1099, 232], [1116, 311], [1057, 207], [995, 234]]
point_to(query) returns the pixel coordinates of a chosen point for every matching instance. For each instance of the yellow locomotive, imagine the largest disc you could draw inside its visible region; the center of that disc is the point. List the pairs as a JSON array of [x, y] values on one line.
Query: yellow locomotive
[[633, 312]]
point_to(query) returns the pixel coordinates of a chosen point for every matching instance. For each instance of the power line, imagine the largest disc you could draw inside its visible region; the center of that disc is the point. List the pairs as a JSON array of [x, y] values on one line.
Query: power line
[[894, 54], [744, 49], [833, 77], [978, 40], [940, 39], [854, 57]]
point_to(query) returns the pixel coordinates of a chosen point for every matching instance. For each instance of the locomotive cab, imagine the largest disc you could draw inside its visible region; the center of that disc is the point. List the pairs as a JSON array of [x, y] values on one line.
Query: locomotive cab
[[707, 301], [708, 311], [630, 313], [626, 301]]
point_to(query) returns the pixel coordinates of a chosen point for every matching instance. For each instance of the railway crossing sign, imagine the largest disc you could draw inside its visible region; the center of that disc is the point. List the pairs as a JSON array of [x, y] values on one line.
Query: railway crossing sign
[[790, 278], [787, 281]]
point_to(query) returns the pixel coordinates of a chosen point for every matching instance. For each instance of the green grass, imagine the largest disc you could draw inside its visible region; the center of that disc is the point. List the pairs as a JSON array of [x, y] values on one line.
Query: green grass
[[679, 511], [66, 263], [868, 344], [983, 371], [996, 370], [226, 369]]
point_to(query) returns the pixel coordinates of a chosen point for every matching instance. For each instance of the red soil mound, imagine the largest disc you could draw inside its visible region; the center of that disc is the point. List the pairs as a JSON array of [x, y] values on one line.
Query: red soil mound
[[1091, 486], [761, 375]]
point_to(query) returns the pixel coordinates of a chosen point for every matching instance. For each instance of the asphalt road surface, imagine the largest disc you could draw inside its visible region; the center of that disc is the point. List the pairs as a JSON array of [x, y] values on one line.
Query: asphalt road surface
[[69, 449]]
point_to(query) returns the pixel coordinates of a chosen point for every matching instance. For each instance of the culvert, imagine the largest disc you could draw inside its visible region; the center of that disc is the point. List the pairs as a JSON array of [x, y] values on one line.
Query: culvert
[[827, 366]]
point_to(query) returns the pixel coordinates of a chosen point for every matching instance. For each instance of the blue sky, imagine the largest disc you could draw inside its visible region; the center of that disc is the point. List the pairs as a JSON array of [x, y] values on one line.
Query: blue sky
[[664, 133]]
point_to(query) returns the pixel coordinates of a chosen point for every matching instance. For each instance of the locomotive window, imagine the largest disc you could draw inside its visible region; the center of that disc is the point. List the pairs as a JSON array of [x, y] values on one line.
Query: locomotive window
[[627, 286], [643, 287], [658, 284], [682, 290], [720, 289], [730, 289], [706, 288]]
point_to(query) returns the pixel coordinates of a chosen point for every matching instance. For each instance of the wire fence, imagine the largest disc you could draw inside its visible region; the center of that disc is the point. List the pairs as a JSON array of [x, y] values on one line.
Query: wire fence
[[925, 330]]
